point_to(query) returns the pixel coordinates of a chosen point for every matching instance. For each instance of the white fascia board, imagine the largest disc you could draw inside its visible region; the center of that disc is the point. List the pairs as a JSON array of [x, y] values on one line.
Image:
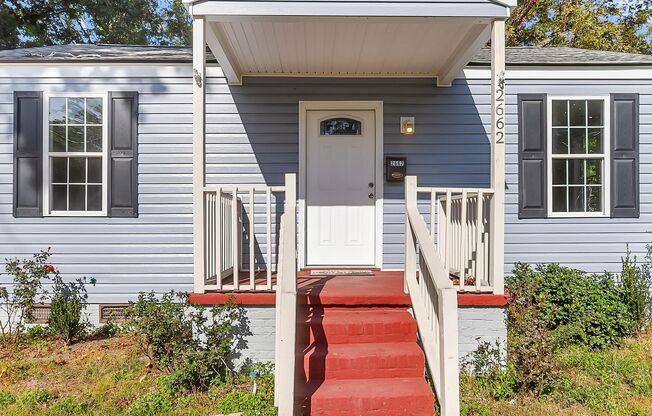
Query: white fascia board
[[243, 9], [507, 3]]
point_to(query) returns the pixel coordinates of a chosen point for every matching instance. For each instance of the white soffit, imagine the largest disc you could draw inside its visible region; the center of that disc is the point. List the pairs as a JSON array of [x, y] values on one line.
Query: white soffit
[[415, 47]]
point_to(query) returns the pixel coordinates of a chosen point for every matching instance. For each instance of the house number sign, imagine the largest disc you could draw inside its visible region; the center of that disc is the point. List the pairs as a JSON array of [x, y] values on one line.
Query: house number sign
[[500, 109]]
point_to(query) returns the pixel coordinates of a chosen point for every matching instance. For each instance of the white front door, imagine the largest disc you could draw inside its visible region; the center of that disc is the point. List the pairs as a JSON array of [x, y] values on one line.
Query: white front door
[[340, 188]]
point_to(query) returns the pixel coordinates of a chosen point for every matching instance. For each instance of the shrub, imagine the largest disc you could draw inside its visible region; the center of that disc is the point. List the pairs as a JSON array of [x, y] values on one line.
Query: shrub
[[17, 307], [487, 359], [636, 281], [66, 307], [576, 307], [190, 343], [108, 330]]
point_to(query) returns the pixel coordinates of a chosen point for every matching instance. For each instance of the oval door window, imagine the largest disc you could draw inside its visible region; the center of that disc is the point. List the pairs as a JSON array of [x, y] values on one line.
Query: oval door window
[[340, 126]]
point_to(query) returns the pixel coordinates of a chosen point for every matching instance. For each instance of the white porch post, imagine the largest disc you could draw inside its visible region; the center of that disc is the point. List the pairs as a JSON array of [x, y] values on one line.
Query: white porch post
[[198, 130], [497, 221]]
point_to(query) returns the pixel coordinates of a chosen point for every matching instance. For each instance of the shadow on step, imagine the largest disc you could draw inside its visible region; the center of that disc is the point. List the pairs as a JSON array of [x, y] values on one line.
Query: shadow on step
[[311, 343]]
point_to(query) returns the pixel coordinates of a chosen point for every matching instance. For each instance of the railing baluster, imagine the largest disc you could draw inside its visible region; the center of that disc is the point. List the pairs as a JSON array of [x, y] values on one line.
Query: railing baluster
[[479, 250], [463, 240], [268, 244], [433, 200], [235, 238], [218, 240], [252, 237], [449, 234]]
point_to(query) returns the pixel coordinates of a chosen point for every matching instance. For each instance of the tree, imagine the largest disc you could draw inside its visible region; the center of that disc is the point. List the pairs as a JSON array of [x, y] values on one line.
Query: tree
[[49, 22], [615, 25]]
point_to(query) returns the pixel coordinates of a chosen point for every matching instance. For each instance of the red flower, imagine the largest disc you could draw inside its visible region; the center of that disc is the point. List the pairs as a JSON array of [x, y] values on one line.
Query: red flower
[[50, 267]]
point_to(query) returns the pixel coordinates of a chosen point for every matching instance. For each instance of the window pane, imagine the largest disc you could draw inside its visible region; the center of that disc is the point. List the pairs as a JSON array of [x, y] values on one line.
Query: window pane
[[93, 111], [57, 110], [94, 139], [94, 197], [594, 172], [595, 112], [76, 139], [594, 199], [559, 199], [58, 138], [578, 113], [59, 170], [576, 172], [595, 140], [94, 170], [340, 126], [560, 113], [558, 172], [576, 199], [77, 167], [560, 141], [578, 140], [75, 111], [59, 198], [77, 198]]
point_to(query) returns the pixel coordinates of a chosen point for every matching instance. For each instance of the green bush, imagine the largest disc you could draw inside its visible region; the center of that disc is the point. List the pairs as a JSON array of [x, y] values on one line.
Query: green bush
[[108, 330], [577, 307], [636, 281], [193, 344], [66, 308], [17, 305]]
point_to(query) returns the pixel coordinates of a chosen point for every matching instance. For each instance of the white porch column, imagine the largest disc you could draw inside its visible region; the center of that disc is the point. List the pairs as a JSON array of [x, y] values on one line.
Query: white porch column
[[497, 221], [198, 130]]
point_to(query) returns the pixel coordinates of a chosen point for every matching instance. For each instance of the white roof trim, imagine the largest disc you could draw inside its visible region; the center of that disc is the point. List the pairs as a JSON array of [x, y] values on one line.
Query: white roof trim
[[378, 8]]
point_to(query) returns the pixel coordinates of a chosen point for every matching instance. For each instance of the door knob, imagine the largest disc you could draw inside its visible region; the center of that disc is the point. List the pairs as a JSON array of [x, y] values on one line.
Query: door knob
[[371, 184], [371, 195]]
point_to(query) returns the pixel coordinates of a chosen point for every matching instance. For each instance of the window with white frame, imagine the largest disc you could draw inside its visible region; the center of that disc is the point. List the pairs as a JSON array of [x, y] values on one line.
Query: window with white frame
[[578, 156], [75, 163]]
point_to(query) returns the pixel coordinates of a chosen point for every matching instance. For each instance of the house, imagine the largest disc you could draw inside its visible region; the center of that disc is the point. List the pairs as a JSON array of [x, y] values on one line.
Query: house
[[343, 162]]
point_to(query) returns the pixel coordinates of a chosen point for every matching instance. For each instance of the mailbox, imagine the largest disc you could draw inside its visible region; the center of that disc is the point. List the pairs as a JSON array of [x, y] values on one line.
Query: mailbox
[[395, 167]]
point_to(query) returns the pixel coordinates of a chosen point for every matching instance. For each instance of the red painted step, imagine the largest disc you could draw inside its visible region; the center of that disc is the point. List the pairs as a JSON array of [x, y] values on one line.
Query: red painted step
[[364, 361], [362, 325], [386, 397]]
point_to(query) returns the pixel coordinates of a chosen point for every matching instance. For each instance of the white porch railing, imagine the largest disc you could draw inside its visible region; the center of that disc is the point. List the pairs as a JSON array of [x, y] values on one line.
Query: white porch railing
[[223, 237], [286, 304], [434, 302], [459, 227]]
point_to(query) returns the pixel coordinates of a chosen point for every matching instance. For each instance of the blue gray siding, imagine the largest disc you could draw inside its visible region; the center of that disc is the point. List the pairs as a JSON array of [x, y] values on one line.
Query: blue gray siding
[[252, 137]]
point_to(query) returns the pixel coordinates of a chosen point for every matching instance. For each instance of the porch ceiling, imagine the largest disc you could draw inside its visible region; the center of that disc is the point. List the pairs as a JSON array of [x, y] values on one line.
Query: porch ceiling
[[353, 47], [366, 38]]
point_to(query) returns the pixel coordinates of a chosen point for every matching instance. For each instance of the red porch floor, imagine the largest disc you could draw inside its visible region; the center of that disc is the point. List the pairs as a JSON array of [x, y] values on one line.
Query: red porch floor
[[383, 288]]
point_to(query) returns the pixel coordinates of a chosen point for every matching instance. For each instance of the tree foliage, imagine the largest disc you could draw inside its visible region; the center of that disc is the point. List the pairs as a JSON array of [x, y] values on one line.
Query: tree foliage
[[614, 25], [50, 22]]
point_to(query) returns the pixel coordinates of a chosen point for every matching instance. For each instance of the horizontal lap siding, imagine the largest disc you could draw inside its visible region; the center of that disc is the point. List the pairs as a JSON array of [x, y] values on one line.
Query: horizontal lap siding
[[258, 135], [125, 255], [591, 244]]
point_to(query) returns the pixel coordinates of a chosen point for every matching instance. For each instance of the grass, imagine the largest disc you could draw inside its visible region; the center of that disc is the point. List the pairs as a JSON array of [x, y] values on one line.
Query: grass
[[617, 381], [96, 377]]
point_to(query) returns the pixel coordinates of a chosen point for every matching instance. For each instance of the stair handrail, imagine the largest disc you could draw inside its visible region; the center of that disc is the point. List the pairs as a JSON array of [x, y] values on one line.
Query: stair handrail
[[434, 304], [286, 304]]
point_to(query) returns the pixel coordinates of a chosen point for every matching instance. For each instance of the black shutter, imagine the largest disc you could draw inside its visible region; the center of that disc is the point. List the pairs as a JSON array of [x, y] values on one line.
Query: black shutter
[[532, 179], [28, 154], [624, 156], [123, 154]]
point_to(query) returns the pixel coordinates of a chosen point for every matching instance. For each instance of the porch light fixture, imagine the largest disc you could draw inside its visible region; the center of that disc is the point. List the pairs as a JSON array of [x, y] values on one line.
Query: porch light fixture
[[407, 126]]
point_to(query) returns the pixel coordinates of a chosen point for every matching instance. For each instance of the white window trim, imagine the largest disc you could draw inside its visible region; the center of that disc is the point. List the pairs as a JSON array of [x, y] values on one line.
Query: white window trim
[[606, 155], [46, 155]]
